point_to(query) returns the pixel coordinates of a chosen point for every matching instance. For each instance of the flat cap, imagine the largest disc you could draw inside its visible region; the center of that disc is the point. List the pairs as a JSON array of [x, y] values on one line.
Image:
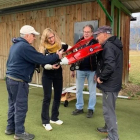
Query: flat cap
[[104, 29]]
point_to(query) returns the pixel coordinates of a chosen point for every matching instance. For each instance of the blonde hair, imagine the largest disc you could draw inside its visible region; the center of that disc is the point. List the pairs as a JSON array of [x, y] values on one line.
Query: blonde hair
[[44, 37]]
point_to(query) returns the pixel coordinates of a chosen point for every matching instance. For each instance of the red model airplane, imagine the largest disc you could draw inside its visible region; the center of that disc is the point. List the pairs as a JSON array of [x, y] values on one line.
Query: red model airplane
[[76, 53]]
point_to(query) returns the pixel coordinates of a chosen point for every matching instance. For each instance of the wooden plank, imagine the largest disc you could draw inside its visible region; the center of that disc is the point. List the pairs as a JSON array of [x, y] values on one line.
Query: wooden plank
[[126, 46], [123, 41], [47, 22], [88, 11], [4, 67], [84, 14], [38, 29], [69, 29], [3, 18], [41, 25], [18, 28], [1, 39], [78, 12], [68, 10], [51, 22], [8, 4], [102, 15], [59, 11], [50, 12], [13, 17], [93, 11], [8, 38], [62, 28], [38, 14], [62, 11], [56, 25], [1, 67]]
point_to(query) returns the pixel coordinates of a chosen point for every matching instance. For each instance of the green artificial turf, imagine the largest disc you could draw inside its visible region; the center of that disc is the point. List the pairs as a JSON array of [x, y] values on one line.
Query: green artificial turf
[[74, 127]]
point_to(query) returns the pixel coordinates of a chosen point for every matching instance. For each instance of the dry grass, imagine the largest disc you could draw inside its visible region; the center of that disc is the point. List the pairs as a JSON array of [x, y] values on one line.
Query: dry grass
[[134, 75], [133, 87]]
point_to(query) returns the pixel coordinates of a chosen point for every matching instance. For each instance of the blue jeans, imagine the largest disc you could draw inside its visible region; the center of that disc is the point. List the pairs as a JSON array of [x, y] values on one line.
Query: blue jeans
[[80, 79], [18, 105]]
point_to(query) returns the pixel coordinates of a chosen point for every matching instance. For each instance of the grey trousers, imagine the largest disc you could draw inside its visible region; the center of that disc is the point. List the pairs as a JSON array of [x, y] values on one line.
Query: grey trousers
[[109, 100]]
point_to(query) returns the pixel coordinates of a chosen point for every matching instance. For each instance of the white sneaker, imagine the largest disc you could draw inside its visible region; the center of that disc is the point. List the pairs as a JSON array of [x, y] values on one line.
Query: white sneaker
[[59, 122], [48, 127]]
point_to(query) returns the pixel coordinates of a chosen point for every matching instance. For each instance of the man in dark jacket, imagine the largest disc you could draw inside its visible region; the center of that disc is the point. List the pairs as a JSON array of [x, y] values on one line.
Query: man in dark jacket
[[20, 68], [87, 68], [109, 77]]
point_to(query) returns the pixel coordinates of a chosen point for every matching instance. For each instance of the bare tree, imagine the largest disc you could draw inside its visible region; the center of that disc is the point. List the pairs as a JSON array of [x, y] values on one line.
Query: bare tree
[[135, 33]]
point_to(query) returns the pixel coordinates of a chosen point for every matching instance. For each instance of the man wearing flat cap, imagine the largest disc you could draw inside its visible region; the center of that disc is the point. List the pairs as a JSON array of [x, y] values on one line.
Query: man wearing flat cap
[[20, 68], [109, 78]]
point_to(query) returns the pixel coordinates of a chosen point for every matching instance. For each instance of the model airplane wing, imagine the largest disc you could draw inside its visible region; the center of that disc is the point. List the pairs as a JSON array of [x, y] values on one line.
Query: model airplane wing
[[80, 54], [79, 44]]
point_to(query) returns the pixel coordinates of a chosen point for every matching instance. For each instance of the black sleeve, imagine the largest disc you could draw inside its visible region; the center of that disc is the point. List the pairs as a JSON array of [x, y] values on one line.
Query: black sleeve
[[94, 41], [109, 63], [37, 68]]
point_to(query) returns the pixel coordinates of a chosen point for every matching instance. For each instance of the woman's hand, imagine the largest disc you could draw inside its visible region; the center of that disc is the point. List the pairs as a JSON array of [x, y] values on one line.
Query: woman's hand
[[55, 66], [51, 67], [60, 53]]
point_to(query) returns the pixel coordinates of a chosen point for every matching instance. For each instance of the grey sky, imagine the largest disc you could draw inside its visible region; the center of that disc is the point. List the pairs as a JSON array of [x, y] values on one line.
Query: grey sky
[[138, 19]]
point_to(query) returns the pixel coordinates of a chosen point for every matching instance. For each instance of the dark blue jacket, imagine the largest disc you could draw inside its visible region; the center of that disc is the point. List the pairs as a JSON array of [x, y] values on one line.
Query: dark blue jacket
[[22, 59]]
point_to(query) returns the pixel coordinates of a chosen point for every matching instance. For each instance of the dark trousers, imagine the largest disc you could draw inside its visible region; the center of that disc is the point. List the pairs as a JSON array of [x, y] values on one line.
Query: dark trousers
[[52, 78], [109, 101], [18, 105]]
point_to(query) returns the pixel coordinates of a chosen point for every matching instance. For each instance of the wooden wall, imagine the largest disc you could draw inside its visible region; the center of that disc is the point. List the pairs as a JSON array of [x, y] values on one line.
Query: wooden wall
[[13, 3], [60, 19], [125, 35]]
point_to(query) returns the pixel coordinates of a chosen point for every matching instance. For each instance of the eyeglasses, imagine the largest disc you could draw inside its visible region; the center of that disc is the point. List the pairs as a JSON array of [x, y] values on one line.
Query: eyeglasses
[[49, 38], [87, 32]]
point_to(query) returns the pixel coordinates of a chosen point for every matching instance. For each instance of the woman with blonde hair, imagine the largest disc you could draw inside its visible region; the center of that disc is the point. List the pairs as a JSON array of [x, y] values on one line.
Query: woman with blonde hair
[[50, 43], [49, 38]]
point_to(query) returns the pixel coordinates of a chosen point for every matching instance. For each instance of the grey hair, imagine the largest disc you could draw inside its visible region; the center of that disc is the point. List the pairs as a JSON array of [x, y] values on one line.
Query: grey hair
[[90, 26], [22, 35]]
